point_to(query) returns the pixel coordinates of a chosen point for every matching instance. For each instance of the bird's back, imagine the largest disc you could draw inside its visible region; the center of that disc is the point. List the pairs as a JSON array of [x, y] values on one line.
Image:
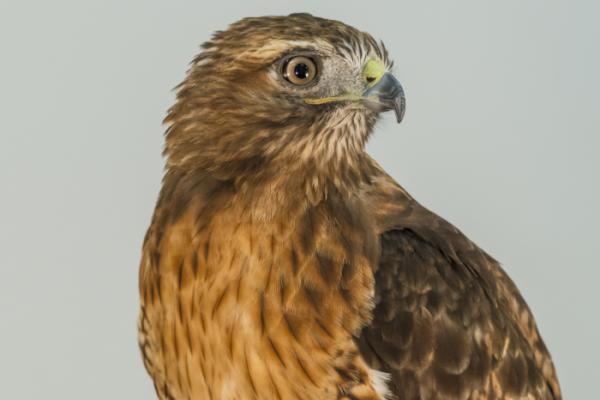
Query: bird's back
[[448, 322]]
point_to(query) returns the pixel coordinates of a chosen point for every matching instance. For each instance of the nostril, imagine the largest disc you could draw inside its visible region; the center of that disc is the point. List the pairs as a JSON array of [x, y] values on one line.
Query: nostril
[[370, 79]]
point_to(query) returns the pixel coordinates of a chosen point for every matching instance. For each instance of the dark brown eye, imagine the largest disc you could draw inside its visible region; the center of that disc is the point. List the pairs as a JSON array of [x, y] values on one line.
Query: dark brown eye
[[300, 70]]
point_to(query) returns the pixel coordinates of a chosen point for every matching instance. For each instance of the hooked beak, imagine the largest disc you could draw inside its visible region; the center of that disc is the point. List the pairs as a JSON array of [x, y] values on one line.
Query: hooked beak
[[385, 95]]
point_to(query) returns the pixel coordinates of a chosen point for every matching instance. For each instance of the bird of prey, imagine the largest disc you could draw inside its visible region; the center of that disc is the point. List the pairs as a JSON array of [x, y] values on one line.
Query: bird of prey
[[283, 263]]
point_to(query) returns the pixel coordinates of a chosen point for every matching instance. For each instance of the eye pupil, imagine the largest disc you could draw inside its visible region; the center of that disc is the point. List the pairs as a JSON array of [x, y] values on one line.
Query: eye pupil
[[302, 71]]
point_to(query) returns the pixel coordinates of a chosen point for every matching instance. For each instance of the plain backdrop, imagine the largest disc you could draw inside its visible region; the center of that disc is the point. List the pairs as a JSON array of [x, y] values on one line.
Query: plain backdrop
[[500, 137]]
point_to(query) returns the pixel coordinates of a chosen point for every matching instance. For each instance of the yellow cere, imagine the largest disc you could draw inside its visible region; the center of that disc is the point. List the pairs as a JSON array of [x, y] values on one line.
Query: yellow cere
[[374, 70]]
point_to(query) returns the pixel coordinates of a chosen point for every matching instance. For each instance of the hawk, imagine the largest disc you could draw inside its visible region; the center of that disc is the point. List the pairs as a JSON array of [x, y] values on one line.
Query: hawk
[[282, 262]]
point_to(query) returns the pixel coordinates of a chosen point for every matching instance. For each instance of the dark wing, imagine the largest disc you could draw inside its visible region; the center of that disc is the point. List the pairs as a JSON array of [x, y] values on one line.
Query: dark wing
[[448, 322]]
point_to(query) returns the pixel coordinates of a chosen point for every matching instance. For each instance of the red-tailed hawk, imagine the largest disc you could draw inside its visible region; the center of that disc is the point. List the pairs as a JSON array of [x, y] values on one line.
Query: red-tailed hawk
[[283, 263]]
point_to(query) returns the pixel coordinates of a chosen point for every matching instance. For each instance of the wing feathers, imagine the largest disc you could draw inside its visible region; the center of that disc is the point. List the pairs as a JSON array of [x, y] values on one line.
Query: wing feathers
[[448, 322]]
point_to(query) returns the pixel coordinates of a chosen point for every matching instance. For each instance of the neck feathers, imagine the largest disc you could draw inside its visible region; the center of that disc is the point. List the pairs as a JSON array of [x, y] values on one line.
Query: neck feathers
[[275, 162]]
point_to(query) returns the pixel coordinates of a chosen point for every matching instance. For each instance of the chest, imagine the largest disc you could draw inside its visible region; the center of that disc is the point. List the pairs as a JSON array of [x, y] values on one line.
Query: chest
[[270, 304], [311, 260]]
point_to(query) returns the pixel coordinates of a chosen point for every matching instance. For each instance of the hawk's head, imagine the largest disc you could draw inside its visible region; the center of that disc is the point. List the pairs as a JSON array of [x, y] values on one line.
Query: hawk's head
[[295, 92]]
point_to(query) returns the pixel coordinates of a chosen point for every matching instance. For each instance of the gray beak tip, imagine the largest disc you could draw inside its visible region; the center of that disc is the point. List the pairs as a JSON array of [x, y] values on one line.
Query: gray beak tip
[[400, 108]]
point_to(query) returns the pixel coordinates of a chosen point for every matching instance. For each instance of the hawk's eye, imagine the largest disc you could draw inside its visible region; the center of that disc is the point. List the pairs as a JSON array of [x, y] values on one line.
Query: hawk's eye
[[299, 70]]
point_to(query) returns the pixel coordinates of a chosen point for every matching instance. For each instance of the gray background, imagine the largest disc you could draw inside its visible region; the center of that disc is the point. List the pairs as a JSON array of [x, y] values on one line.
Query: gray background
[[500, 137]]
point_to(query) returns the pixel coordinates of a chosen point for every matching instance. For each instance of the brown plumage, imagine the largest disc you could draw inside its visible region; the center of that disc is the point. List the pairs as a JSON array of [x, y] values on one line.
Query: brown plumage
[[283, 263]]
